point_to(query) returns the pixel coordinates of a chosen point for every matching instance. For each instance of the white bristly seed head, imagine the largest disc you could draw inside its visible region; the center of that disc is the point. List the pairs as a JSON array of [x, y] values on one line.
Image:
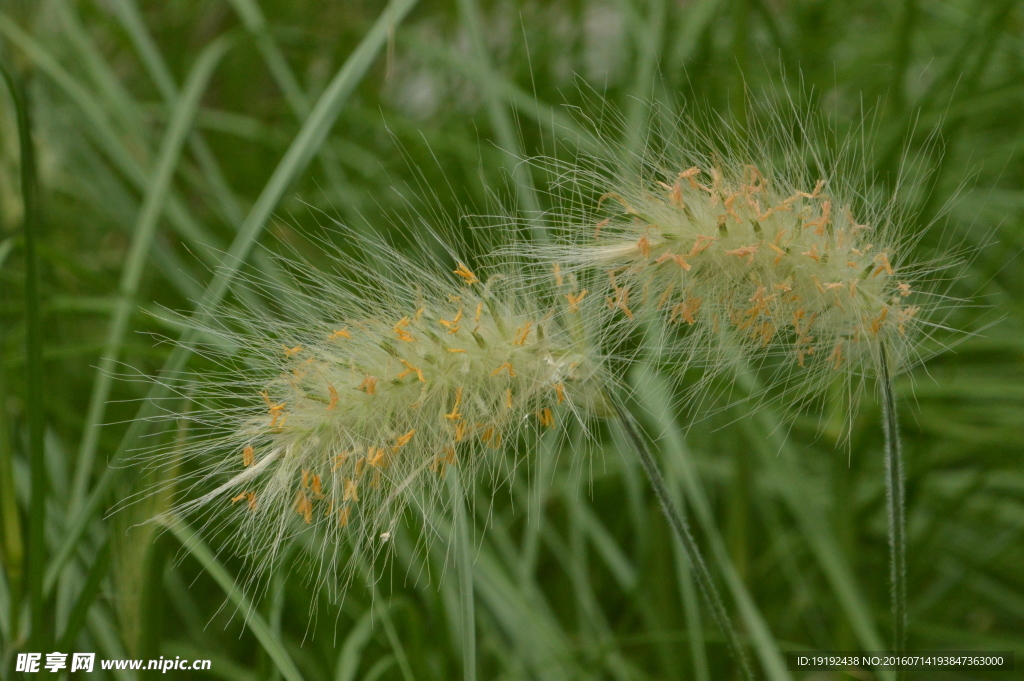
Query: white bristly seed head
[[353, 402], [744, 252]]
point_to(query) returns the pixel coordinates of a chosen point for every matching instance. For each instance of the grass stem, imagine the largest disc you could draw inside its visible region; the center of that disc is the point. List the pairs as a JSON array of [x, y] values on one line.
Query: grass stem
[[896, 507], [34, 363], [682, 532], [464, 570]]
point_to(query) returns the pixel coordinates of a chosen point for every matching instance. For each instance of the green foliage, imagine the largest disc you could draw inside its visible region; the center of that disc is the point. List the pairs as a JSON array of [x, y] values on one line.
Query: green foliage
[[175, 141]]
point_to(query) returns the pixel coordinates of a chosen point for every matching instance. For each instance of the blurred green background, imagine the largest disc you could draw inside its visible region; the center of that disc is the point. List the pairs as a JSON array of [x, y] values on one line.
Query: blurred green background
[[154, 158]]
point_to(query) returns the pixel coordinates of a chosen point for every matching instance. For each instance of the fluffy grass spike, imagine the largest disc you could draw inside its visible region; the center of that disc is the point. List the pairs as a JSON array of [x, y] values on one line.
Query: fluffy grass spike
[[732, 251], [357, 399]]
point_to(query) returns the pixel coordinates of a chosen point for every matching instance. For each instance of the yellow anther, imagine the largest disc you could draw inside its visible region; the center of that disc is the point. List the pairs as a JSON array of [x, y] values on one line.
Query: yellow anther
[[686, 310], [340, 460], [883, 261], [304, 506], [455, 350], [466, 274], [837, 355], [522, 334], [744, 252], [410, 369], [479, 311], [613, 195], [343, 514], [400, 330], [505, 365], [351, 491], [266, 398], [819, 224], [460, 431], [419, 313], [546, 418], [453, 325], [455, 415], [508, 398], [288, 352], [574, 300], [334, 397], [316, 486], [814, 253], [560, 391], [701, 244], [621, 301], [877, 322], [558, 274], [248, 456], [644, 246], [676, 258], [369, 384], [341, 333], [403, 440], [375, 456]]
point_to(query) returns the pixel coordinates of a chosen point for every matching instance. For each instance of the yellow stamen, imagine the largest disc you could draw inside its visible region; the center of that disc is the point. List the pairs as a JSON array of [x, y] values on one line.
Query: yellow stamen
[[400, 330], [506, 365], [248, 456], [455, 415], [341, 333], [304, 506], [340, 460], [404, 439], [522, 334], [574, 300], [560, 391], [288, 352], [369, 384], [410, 369], [744, 252], [466, 274], [334, 397]]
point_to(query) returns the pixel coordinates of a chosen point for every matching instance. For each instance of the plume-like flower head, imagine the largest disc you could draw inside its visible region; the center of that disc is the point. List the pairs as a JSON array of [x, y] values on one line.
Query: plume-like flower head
[[745, 250], [368, 387]]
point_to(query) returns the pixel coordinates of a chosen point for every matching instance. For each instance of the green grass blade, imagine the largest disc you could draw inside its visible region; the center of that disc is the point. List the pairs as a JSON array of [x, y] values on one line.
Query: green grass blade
[[12, 533], [91, 589], [291, 165], [649, 38], [895, 494], [501, 121], [34, 361], [352, 648], [143, 233], [655, 398], [6, 246], [463, 551], [261, 630]]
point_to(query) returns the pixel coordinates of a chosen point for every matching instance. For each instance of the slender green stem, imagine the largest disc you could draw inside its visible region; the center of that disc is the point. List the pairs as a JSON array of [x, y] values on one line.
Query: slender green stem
[[682, 531], [464, 569], [34, 364], [896, 506]]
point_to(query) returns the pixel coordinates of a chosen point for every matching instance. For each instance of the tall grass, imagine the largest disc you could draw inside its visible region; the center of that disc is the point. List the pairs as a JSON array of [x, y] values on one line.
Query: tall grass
[[171, 138]]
